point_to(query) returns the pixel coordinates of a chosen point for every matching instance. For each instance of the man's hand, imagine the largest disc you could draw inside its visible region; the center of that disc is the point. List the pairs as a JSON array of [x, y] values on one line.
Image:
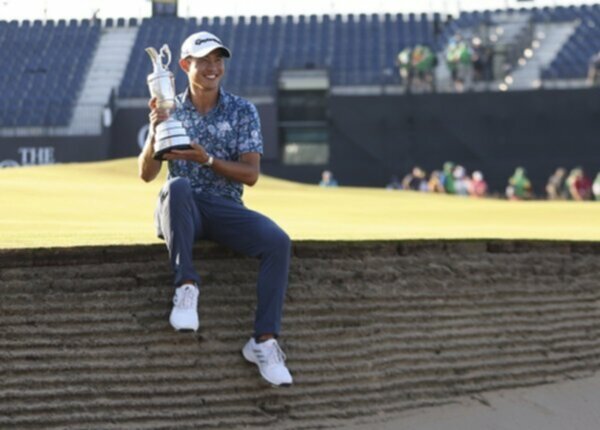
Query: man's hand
[[245, 170], [197, 153], [156, 115]]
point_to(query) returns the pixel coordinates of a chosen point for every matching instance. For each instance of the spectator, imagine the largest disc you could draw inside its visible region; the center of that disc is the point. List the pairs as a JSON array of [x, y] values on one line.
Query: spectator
[[593, 78], [452, 59], [327, 179], [394, 183], [423, 64], [459, 60], [579, 185], [435, 184], [447, 178], [488, 63], [596, 187], [555, 188], [478, 186], [415, 180], [519, 187], [478, 60], [482, 60], [404, 62], [465, 67], [461, 181]]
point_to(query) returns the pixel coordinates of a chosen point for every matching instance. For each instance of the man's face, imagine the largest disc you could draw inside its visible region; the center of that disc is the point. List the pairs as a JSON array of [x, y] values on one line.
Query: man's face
[[205, 72]]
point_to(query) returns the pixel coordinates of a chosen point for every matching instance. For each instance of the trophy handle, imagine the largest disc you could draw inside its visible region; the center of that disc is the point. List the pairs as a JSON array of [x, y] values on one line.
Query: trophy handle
[[165, 51], [178, 104], [155, 57], [153, 54]]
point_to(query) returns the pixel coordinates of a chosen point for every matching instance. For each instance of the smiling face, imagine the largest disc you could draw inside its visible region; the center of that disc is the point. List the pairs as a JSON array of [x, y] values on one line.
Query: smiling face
[[205, 73]]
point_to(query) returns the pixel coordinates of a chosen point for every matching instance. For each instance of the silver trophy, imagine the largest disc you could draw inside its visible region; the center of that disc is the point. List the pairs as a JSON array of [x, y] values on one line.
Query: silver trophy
[[170, 134]]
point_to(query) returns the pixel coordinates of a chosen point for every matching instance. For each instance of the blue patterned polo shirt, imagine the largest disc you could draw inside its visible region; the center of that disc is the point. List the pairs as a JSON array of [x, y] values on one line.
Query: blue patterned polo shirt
[[230, 129]]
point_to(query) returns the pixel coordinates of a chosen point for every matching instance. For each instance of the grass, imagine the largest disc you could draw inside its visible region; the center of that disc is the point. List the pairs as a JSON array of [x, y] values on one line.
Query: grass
[[105, 203]]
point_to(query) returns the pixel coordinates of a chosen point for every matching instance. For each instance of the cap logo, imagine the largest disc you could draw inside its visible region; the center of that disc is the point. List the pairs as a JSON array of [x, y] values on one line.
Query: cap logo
[[201, 41]]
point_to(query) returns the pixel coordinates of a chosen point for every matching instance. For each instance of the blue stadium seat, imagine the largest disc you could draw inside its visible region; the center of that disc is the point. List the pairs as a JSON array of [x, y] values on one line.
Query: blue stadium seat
[[358, 49], [572, 60], [31, 67]]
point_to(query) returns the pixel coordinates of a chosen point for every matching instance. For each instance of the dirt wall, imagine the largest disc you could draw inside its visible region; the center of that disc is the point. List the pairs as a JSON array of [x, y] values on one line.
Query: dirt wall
[[370, 328]]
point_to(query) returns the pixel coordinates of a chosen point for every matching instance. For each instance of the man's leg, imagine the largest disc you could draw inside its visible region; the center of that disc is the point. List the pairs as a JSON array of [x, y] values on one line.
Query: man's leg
[[179, 224], [253, 234]]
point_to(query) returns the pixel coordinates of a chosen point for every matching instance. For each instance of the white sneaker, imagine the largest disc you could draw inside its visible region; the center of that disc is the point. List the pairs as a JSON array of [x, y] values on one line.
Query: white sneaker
[[184, 315], [270, 360]]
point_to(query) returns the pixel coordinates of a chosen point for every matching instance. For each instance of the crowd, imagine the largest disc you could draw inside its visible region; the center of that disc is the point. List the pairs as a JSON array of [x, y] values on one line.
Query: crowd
[[468, 61], [574, 186], [454, 179], [417, 68]]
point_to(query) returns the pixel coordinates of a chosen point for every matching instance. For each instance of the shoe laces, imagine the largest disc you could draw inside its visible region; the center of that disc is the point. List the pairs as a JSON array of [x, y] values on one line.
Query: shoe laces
[[274, 354], [185, 298]]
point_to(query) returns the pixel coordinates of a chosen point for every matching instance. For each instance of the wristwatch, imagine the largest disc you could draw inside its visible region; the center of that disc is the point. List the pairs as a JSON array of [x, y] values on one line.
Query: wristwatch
[[209, 162]]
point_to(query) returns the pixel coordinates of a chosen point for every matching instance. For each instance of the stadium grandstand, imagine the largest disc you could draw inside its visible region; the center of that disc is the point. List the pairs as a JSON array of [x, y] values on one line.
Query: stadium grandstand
[[357, 50], [68, 85]]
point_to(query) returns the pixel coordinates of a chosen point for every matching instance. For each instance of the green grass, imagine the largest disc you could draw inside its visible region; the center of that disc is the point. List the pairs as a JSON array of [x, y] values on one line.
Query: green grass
[[105, 203]]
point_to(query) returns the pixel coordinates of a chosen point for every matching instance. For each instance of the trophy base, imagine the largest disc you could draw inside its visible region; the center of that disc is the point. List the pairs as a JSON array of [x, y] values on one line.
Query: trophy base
[[158, 155], [170, 135]]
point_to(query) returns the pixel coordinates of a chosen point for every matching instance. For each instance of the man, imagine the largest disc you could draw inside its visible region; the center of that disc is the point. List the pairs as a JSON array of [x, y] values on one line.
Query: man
[[202, 198], [596, 187], [555, 188], [447, 177], [593, 78], [404, 62], [579, 185], [519, 186], [327, 179]]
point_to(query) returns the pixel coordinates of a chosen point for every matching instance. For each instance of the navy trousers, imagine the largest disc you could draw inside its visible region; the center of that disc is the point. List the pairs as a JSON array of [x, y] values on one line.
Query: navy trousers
[[184, 216]]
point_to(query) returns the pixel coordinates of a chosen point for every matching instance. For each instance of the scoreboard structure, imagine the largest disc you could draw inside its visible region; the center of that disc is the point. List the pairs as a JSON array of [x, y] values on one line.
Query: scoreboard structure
[[164, 8]]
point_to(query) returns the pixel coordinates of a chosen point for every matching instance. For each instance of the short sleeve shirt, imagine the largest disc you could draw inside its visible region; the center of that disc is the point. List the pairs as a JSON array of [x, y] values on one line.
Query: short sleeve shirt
[[230, 129]]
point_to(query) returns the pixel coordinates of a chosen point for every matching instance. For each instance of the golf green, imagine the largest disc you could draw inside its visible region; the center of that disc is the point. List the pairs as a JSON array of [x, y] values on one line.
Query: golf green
[[106, 203]]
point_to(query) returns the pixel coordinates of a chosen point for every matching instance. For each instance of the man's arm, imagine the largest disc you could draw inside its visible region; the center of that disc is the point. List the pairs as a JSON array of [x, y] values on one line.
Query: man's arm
[[246, 170], [148, 167]]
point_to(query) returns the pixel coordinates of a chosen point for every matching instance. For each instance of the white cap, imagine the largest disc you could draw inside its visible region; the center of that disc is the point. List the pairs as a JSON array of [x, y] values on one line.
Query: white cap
[[201, 44]]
